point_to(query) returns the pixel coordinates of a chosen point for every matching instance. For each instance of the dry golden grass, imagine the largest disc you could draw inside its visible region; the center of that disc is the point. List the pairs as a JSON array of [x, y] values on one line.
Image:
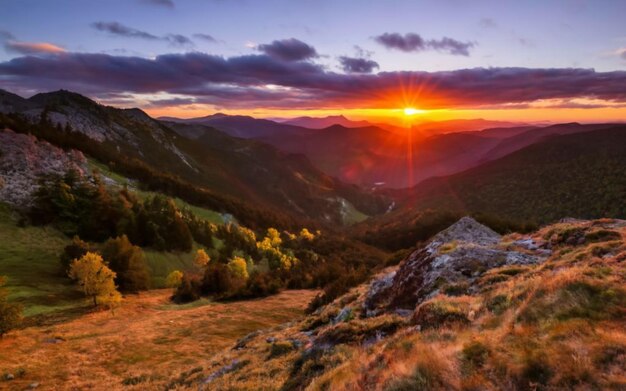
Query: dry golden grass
[[147, 341], [559, 325]]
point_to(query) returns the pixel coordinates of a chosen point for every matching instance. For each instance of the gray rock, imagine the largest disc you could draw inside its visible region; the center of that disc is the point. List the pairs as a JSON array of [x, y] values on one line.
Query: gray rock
[[9, 376], [33, 385], [342, 315], [472, 249]]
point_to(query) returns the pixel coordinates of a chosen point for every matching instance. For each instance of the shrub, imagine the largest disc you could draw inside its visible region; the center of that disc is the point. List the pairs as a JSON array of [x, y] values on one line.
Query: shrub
[[474, 355], [281, 348], [441, 312], [174, 279], [72, 251], [128, 262]]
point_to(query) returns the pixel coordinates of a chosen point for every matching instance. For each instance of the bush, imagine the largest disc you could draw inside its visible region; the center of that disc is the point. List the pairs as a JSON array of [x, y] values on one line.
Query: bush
[[72, 251], [128, 262], [281, 348], [441, 313]]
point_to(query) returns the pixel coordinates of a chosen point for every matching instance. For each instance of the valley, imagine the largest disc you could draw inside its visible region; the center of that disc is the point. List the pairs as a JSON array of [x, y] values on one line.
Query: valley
[[312, 196]]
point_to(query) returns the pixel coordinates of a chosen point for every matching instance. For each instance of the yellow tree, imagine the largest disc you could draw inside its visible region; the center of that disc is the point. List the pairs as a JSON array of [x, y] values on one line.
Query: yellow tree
[[306, 234], [95, 279], [238, 267], [174, 279], [201, 259]]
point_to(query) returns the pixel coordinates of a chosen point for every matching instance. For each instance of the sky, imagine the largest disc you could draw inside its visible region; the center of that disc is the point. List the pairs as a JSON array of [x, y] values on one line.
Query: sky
[[505, 60]]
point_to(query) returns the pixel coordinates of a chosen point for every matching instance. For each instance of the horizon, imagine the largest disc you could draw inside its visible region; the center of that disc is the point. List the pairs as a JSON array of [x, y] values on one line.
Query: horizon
[[564, 62]]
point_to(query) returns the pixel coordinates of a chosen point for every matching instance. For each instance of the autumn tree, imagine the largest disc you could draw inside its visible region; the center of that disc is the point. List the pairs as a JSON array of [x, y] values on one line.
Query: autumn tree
[[238, 268], [201, 259], [128, 263], [10, 313], [174, 279], [95, 279]]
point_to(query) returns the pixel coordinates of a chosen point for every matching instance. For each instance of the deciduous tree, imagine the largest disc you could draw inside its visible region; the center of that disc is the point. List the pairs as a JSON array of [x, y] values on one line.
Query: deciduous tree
[[95, 279]]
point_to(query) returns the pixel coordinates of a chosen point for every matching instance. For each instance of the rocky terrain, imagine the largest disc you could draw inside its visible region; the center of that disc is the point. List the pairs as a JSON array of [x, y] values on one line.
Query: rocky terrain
[[24, 159], [471, 310]]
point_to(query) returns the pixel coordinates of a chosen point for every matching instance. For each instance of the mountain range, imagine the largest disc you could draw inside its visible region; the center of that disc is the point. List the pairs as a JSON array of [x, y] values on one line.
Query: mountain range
[[341, 174]]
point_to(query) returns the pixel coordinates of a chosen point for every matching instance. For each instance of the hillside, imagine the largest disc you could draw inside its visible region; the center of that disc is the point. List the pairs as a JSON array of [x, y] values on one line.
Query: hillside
[[240, 175], [579, 175], [518, 312], [147, 344]]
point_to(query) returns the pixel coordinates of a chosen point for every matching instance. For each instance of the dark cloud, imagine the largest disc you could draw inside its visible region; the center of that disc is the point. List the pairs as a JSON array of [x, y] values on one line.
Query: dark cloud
[[160, 3], [178, 40], [357, 64], [266, 81], [407, 43], [205, 37], [412, 42], [5, 35], [119, 29], [288, 50]]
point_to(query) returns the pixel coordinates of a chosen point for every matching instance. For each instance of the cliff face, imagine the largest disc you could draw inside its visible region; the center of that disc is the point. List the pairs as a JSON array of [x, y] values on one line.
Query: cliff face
[[24, 158]]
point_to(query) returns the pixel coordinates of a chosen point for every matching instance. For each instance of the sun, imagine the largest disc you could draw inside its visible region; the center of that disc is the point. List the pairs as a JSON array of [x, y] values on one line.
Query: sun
[[411, 111]]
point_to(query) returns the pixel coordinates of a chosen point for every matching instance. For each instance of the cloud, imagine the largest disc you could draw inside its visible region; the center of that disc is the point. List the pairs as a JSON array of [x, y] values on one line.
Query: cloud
[[288, 50], [32, 47], [412, 42], [357, 65], [261, 80], [5, 35], [205, 37], [119, 29], [178, 40], [160, 3], [488, 23]]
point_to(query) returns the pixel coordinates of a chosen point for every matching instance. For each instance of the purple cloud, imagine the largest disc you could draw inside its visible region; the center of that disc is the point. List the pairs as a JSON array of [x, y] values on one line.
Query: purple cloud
[[357, 65], [288, 50], [205, 37], [119, 29], [160, 3], [412, 42], [266, 81]]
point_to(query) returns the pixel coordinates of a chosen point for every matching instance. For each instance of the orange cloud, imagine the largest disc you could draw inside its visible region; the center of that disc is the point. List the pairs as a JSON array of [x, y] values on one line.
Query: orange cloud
[[32, 47]]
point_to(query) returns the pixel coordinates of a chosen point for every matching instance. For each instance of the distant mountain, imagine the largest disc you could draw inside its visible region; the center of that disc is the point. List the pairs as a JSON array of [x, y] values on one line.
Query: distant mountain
[[245, 170], [371, 156], [324, 122], [580, 175], [431, 128], [242, 126]]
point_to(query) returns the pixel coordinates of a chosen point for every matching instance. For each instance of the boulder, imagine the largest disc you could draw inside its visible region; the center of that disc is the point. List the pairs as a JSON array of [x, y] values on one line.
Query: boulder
[[452, 260]]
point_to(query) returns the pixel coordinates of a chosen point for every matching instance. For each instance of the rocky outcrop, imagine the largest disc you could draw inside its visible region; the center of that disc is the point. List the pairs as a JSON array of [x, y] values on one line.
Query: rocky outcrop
[[451, 262], [24, 158]]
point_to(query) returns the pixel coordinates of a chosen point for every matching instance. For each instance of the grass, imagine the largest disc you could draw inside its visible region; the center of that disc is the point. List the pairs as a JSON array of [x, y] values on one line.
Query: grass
[[145, 343], [352, 215], [558, 325], [210, 215], [29, 257]]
